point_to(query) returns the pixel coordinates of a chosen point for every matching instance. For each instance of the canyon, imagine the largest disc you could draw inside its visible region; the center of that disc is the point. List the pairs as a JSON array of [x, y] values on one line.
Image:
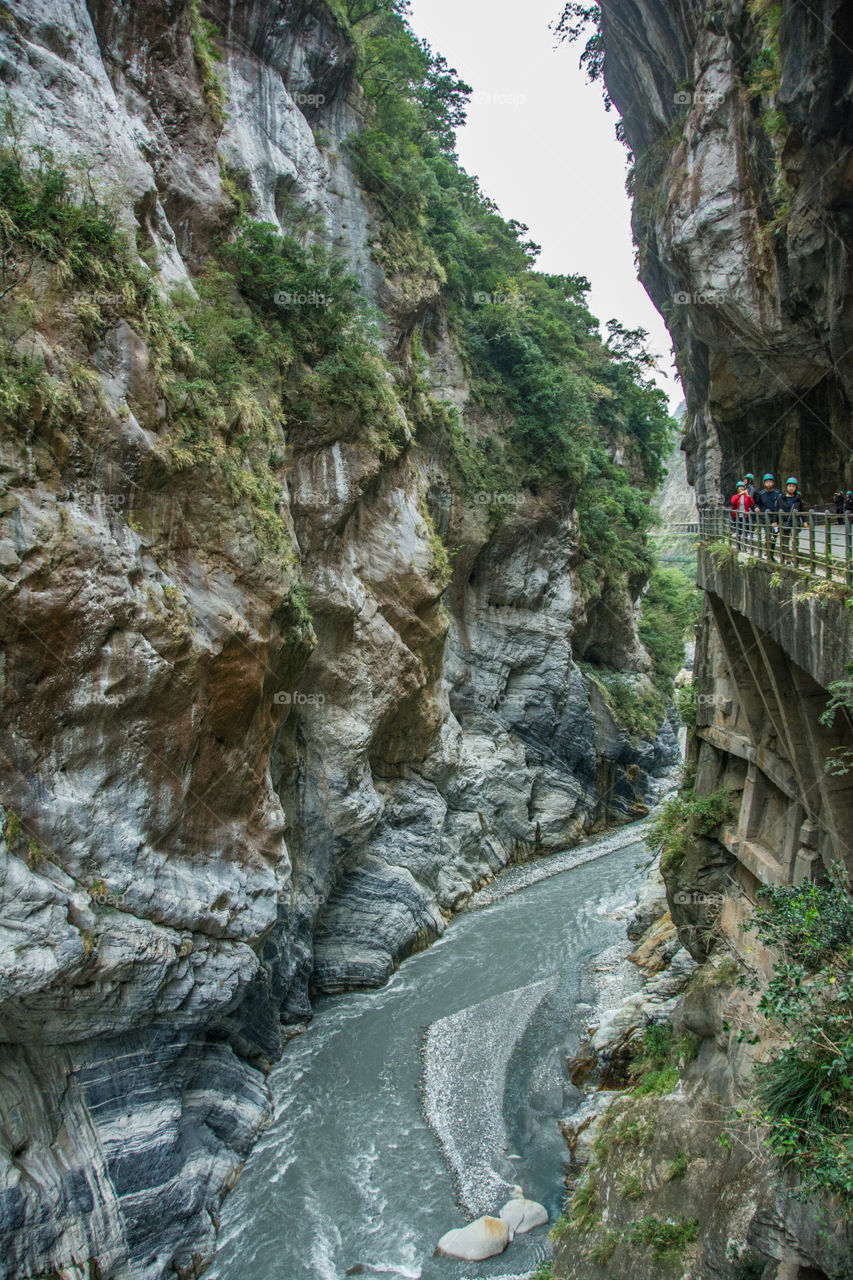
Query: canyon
[[262, 733], [326, 596]]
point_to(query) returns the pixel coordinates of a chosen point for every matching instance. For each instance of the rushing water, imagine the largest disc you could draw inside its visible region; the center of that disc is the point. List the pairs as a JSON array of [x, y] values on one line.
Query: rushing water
[[401, 1113]]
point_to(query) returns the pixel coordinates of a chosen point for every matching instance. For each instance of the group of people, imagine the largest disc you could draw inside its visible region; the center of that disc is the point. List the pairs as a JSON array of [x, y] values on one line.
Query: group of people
[[768, 505], [843, 503]]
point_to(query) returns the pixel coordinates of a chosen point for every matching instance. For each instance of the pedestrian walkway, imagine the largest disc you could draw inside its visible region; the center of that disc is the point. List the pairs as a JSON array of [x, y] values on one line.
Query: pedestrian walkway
[[814, 542]]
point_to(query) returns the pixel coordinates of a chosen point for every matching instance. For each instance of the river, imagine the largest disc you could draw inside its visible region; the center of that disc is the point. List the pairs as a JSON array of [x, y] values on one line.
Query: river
[[402, 1112]]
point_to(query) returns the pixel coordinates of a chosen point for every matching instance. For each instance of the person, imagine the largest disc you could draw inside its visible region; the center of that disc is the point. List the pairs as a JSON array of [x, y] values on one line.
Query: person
[[790, 502], [742, 506], [767, 503], [848, 502], [750, 485], [839, 505]]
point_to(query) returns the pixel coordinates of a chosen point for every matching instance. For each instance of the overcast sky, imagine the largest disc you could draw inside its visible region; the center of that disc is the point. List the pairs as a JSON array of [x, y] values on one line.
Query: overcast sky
[[543, 147]]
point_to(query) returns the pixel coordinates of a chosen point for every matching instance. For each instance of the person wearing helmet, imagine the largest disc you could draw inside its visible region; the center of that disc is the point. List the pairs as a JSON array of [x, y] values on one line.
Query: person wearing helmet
[[750, 484], [848, 501], [768, 501], [838, 499], [790, 503], [742, 506]]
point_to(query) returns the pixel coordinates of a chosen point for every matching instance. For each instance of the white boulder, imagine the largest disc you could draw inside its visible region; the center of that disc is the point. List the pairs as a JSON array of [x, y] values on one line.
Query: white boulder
[[521, 1214], [481, 1239]]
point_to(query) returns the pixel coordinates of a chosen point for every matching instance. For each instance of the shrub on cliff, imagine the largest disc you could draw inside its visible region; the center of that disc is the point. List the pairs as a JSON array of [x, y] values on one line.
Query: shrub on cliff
[[805, 1090], [683, 818]]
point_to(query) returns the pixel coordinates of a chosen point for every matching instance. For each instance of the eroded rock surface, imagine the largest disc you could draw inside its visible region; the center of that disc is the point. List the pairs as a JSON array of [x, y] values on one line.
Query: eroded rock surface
[[214, 807]]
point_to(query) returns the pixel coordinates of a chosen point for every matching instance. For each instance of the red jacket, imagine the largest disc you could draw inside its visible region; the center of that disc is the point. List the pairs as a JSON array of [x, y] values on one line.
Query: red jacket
[[742, 503]]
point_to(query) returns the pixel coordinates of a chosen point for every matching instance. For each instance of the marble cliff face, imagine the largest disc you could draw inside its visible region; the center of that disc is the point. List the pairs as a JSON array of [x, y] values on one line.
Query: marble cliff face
[[739, 117], [214, 806]]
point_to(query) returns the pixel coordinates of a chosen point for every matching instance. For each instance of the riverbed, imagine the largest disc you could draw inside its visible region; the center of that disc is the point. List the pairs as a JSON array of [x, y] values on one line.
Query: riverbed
[[403, 1112]]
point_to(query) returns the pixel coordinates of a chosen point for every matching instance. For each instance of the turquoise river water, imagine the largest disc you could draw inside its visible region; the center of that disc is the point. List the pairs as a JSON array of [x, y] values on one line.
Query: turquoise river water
[[403, 1112]]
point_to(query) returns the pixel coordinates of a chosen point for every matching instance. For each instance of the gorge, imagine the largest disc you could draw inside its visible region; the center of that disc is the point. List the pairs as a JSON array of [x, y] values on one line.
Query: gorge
[[327, 595], [293, 600]]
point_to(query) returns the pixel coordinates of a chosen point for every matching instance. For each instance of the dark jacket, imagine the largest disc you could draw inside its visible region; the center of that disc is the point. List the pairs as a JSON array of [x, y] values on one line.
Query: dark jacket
[[839, 503], [848, 504], [788, 505], [771, 502]]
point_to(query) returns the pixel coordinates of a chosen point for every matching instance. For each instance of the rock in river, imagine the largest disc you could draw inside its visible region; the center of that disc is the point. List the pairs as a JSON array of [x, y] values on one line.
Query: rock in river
[[521, 1214], [482, 1238]]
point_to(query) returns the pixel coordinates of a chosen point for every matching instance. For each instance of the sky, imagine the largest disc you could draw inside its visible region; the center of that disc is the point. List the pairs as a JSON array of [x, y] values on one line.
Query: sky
[[543, 146]]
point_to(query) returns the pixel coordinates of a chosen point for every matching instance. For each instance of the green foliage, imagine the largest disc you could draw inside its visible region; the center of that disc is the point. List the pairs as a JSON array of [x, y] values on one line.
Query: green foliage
[[278, 326], [536, 360], [638, 706], [668, 615], [628, 1130], [545, 1271], [666, 1240], [561, 1229], [604, 1247], [677, 1168], [805, 1090], [685, 702], [655, 1068], [203, 33], [632, 1187], [11, 829], [56, 247], [682, 819], [660, 1080], [584, 20], [584, 1209], [839, 761]]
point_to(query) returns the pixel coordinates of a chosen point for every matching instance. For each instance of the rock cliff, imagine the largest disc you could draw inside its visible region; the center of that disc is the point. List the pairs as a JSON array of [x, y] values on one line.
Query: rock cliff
[[737, 115], [260, 738]]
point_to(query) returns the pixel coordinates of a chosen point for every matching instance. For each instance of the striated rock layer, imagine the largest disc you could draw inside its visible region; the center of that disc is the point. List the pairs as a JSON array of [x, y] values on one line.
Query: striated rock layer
[[214, 807], [739, 117]]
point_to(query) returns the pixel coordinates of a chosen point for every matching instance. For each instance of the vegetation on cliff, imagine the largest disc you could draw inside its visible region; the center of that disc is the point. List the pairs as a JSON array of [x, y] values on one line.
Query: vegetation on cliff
[[805, 1089], [240, 369], [536, 360]]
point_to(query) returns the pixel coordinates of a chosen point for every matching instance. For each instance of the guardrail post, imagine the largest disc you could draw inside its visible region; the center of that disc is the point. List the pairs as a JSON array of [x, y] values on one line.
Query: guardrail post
[[827, 550], [848, 547], [812, 544]]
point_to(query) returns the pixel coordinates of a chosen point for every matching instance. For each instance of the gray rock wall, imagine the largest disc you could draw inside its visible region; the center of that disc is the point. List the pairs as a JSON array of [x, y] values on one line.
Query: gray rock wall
[[213, 808], [741, 128]]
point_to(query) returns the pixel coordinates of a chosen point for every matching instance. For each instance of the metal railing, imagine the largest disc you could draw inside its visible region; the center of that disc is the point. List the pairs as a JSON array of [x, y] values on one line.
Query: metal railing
[[819, 543]]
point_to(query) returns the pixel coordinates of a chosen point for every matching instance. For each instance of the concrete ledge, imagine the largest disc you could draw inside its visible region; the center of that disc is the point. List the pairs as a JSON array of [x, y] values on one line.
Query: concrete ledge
[[778, 771], [816, 633], [756, 857]]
